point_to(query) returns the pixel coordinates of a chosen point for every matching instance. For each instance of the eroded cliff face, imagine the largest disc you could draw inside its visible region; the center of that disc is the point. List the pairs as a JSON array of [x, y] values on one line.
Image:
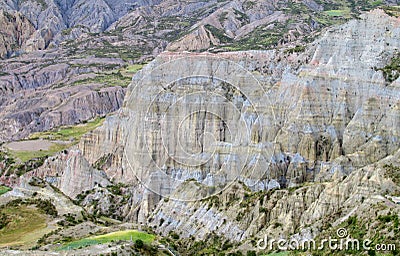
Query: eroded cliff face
[[16, 30], [59, 108], [206, 130], [56, 21], [41, 91], [69, 172], [270, 119], [152, 26], [239, 215]]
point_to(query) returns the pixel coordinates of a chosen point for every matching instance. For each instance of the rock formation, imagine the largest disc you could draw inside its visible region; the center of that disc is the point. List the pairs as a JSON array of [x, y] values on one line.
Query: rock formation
[[16, 30], [232, 144], [216, 118], [70, 172], [56, 92]]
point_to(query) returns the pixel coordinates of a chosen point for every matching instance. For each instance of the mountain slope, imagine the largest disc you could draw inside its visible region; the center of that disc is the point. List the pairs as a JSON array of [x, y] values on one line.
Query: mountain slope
[[240, 25], [310, 137], [209, 149]]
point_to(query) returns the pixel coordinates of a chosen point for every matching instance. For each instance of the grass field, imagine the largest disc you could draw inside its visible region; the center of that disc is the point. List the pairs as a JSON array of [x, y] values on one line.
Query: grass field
[[67, 137], [125, 235], [27, 225], [70, 132], [4, 189], [25, 156], [132, 69], [337, 13], [109, 79], [120, 77]]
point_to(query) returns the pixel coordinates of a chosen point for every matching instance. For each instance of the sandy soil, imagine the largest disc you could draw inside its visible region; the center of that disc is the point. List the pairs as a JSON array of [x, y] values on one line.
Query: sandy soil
[[32, 145]]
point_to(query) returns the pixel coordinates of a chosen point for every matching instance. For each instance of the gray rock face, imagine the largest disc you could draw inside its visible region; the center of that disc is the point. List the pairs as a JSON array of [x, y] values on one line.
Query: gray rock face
[[204, 130], [53, 20], [16, 31], [99, 18], [74, 177], [156, 25], [238, 217], [50, 92], [60, 108], [216, 118], [259, 25]]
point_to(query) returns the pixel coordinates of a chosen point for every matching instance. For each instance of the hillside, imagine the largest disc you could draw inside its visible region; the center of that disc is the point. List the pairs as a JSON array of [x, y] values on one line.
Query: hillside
[[198, 127]]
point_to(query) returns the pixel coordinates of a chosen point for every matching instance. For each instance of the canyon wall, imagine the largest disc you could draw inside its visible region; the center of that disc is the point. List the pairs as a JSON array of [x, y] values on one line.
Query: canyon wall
[[266, 118]]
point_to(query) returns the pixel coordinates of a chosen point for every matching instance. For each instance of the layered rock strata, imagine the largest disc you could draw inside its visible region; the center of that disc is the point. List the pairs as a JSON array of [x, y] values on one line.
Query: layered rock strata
[[216, 118]]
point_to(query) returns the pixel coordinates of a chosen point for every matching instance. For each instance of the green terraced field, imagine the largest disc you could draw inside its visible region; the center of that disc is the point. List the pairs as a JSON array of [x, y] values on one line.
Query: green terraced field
[[61, 138], [335, 13], [26, 155], [69, 132], [125, 235]]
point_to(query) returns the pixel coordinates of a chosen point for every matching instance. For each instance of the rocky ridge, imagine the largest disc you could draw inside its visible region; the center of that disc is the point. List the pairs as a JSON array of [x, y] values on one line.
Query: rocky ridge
[[16, 31], [332, 139], [54, 92], [124, 33], [230, 145], [185, 25]]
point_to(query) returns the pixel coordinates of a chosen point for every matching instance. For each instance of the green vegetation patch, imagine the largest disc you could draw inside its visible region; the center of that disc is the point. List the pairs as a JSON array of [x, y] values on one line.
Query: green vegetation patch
[[69, 133], [26, 156], [384, 231], [392, 70], [110, 79], [393, 173], [336, 13], [116, 75], [4, 189], [43, 206], [101, 66], [21, 225], [219, 34], [213, 245], [393, 11], [132, 69], [335, 16], [261, 38], [108, 51], [12, 166], [66, 32], [297, 48], [126, 235], [68, 136], [22, 222]]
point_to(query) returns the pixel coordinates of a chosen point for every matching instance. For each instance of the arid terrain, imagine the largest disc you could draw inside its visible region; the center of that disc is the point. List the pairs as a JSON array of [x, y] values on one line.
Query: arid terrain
[[199, 127]]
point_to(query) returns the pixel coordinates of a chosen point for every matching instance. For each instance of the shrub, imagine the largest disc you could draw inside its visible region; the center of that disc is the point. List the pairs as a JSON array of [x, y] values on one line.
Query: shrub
[[251, 253], [139, 244], [47, 207], [174, 235], [3, 220]]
